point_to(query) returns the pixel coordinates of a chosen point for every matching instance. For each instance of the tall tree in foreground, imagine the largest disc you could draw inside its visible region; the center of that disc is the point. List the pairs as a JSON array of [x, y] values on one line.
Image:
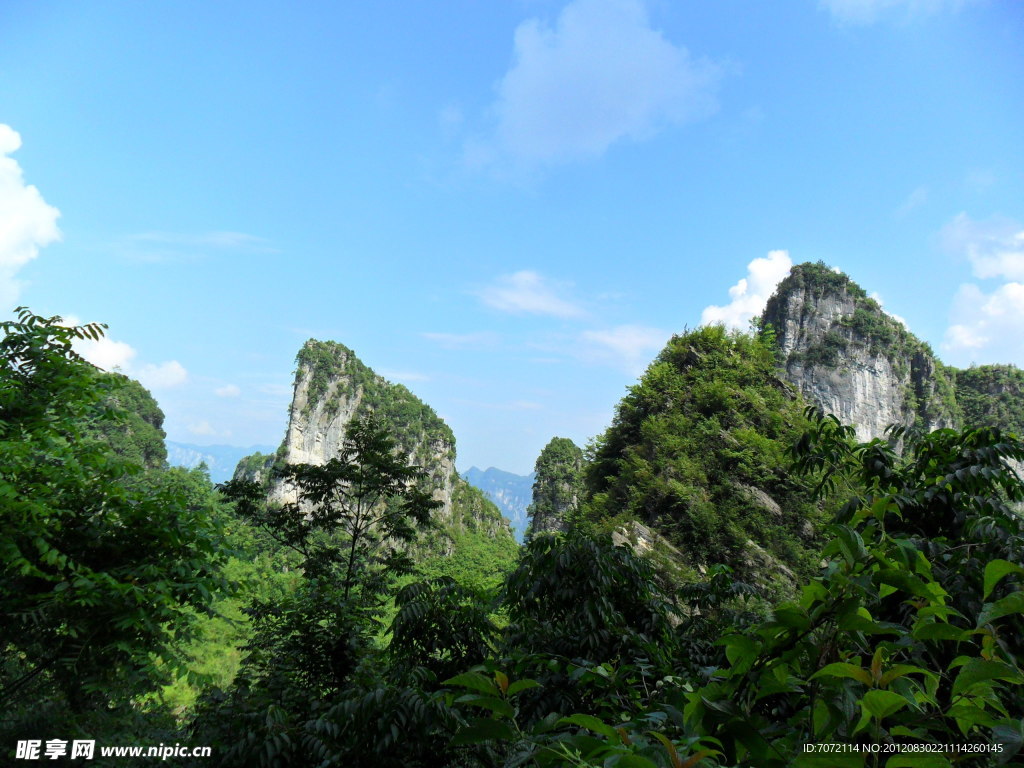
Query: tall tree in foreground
[[347, 526], [102, 567]]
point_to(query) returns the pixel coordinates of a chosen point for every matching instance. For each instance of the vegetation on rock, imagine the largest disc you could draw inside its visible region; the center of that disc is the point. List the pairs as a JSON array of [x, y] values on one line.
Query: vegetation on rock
[[557, 486], [697, 449], [992, 396]]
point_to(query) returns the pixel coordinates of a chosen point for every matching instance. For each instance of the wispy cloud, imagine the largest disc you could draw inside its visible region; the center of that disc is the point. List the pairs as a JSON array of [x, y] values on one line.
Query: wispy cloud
[[914, 200], [627, 347], [407, 376], [994, 247], [751, 293], [158, 247], [985, 325], [27, 222], [529, 293], [228, 390], [599, 75], [861, 12], [203, 428], [475, 340]]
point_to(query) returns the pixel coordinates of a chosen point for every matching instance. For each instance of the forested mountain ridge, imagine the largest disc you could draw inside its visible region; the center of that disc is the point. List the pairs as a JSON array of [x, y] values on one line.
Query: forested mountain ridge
[[697, 451], [298, 635]]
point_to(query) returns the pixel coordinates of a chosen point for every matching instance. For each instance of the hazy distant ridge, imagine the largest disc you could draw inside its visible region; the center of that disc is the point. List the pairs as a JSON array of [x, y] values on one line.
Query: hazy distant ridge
[[221, 460], [510, 492]]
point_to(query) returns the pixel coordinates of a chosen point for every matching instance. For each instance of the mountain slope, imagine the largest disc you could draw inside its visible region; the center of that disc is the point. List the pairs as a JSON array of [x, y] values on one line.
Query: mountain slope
[[511, 493], [697, 451]]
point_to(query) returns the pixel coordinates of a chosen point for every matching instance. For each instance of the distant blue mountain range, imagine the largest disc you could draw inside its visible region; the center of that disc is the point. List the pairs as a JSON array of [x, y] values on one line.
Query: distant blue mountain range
[[221, 460], [511, 493]]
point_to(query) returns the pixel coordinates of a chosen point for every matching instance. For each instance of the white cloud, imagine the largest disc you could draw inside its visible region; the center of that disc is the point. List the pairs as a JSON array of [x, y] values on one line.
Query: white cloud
[[162, 376], [629, 347], [986, 327], [750, 294], [869, 11], [27, 222], [106, 353], [228, 390], [202, 428], [477, 340], [601, 74], [110, 355], [528, 293], [995, 247]]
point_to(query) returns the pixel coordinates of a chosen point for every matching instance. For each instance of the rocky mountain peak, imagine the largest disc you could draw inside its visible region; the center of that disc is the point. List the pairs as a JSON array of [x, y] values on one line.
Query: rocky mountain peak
[[843, 352]]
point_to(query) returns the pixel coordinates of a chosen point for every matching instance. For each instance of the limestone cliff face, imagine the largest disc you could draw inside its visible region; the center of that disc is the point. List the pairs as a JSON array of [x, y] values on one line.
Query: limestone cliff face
[[332, 387], [843, 353], [557, 486]]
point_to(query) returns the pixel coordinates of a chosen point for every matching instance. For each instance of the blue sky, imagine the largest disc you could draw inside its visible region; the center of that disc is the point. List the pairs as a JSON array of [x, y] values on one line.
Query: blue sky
[[506, 206]]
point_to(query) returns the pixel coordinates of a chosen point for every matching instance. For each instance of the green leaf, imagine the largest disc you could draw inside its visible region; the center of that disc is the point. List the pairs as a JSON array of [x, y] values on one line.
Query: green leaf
[[484, 729], [844, 669], [1013, 603], [496, 705], [670, 748], [740, 650], [881, 704], [899, 670], [521, 685], [969, 715], [937, 630], [594, 724], [995, 571], [981, 670], [474, 681]]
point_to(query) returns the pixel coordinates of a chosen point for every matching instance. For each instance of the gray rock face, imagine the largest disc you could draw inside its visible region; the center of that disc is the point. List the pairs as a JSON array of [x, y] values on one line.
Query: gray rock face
[[843, 353], [332, 387]]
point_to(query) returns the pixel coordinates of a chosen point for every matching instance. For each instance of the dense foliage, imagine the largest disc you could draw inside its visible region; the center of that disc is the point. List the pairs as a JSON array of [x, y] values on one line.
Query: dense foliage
[[902, 632], [697, 449], [557, 486], [136, 434], [104, 566], [992, 396]]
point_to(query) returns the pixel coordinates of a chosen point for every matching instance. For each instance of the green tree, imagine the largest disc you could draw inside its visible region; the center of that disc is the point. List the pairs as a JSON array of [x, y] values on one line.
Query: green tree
[[697, 451], [311, 651], [912, 633], [102, 567]]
